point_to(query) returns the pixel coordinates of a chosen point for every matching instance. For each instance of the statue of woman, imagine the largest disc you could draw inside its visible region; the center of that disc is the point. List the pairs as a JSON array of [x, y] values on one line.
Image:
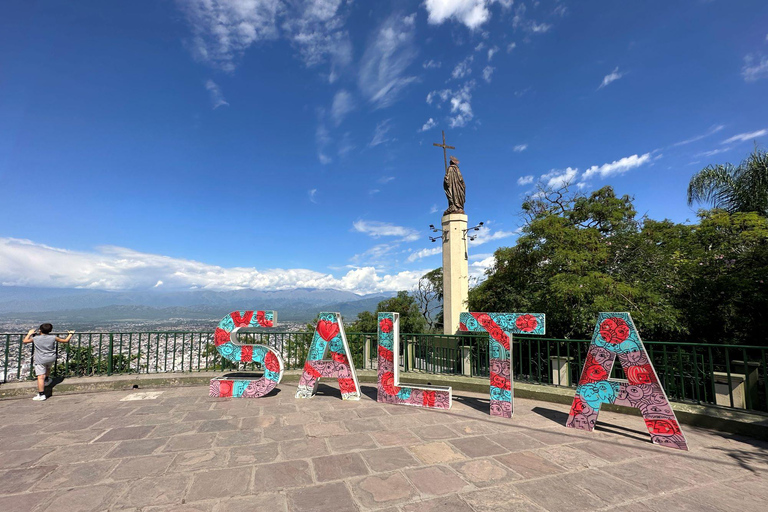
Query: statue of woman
[[455, 190]]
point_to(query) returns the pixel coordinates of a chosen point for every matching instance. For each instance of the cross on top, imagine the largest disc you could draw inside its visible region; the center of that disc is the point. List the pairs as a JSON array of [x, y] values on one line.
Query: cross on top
[[443, 145]]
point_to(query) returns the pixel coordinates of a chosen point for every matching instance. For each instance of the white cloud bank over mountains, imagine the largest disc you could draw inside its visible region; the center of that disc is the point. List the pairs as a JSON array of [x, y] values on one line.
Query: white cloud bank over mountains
[[26, 263]]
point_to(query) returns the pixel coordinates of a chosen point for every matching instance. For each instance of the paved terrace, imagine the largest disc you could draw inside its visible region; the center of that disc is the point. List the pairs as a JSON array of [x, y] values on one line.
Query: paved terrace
[[184, 451]]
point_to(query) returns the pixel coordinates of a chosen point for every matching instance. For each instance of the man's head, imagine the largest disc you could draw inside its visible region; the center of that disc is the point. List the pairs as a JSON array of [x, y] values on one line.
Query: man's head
[[46, 328]]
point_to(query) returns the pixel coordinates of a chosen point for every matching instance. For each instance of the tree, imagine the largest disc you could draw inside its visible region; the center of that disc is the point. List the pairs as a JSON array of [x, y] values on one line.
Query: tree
[[429, 296], [411, 320], [740, 188]]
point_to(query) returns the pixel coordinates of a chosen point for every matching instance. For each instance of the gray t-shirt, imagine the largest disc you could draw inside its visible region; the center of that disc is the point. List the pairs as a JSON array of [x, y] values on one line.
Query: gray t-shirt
[[45, 348]]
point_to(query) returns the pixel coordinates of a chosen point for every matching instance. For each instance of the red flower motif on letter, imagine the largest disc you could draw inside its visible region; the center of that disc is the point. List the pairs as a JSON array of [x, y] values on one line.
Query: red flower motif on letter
[[271, 362], [246, 354], [500, 382], [386, 354], [263, 321], [347, 385], [308, 368], [429, 399], [386, 325], [340, 358], [220, 337], [663, 427], [388, 383], [526, 323], [614, 330], [640, 374], [225, 388], [327, 330], [242, 321]]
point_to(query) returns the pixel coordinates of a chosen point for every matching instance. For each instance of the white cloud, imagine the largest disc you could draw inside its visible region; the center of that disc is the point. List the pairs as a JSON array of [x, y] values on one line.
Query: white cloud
[[158, 284], [424, 253], [511, 46], [432, 64], [322, 139], [385, 61], [26, 263], [713, 152], [755, 68], [463, 68], [433, 209], [431, 123], [460, 101], [557, 178], [217, 98], [377, 229], [471, 13], [342, 105], [520, 21], [346, 145], [492, 52], [485, 235], [385, 179], [714, 129], [617, 166], [477, 268], [612, 77], [312, 193], [742, 137], [520, 148], [525, 180], [488, 73], [479, 46], [380, 133]]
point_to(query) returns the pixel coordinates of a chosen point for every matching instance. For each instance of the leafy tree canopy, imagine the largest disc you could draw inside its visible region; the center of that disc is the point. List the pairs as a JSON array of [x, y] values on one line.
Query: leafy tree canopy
[[411, 319]]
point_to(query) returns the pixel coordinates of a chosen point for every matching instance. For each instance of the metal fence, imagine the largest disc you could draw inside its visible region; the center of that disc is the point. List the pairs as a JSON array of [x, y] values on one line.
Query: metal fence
[[728, 375]]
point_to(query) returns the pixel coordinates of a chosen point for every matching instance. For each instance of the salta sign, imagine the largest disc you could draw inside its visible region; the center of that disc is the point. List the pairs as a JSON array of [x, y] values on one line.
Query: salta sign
[[329, 356]]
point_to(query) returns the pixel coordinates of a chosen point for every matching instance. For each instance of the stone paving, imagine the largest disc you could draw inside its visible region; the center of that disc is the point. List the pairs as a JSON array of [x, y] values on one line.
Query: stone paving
[[184, 451]]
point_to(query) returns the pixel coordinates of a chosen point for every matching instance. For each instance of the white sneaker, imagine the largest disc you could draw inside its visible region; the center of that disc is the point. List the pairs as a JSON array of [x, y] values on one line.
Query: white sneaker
[[48, 381], [39, 397]]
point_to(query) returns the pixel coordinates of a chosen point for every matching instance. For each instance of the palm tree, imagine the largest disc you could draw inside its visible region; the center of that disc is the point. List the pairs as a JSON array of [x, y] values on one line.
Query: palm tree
[[741, 188]]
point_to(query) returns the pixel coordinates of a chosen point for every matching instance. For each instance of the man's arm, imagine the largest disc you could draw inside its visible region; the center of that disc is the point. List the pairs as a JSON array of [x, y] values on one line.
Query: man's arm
[[28, 337], [65, 340]]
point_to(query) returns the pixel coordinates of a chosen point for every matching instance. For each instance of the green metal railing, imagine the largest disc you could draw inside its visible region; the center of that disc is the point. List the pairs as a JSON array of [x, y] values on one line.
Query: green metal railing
[[729, 375]]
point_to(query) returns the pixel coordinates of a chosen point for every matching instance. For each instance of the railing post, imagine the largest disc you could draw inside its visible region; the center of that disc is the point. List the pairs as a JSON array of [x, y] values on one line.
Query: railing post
[[367, 352], [110, 351]]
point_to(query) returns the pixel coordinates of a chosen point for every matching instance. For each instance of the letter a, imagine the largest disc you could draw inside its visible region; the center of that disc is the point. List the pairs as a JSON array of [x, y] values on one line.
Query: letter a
[[615, 335], [329, 334]]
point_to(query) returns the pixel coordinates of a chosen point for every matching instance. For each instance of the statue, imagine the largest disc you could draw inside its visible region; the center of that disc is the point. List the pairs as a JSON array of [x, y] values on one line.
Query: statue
[[455, 190], [453, 184]]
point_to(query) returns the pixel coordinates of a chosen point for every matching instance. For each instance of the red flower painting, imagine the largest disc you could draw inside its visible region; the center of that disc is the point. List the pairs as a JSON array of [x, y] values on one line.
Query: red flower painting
[[526, 323], [388, 383], [242, 321], [386, 325], [220, 337], [386, 354], [246, 354], [614, 330], [271, 362], [308, 368], [347, 386]]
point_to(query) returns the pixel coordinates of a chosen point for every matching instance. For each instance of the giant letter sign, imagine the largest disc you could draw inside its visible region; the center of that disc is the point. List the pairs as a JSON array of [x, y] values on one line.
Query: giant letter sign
[[226, 343], [390, 390], [500, 327], [615, 335], [329, 334]]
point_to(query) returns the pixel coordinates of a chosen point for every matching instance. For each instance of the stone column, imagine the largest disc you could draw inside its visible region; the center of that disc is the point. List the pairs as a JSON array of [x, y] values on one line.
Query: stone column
[[455, 271]]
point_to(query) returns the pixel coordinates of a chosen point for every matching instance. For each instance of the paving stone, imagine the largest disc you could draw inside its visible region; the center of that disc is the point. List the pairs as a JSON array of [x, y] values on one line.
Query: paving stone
[[553, 492], [611, 451], [263, 502], [77, 475], [303, 448], [364, 425], [371, 412], [299, 418], [479, 446], [282, 475], [609, 490], [476, 428], [77, 453], [337, 467], [220, 483], [436, 453], [96, 498], [159, 490], [189, 442], [278, 433], [218, 425], [122, 434], [515, 441], [258, 422], [446, 504], [252, 454], [27, 502], [434, 433], [140, 467], [333, 428], [199, 460], [329, 497], [529, 465], [136, 448], [395, 438], [381, 490], [19, 480], [388, 459], [237, 438], [23, 442], [503, 499], [22, 458], [570, 458], [652, 477], [567, 435], [436, 480], [484, 472], [350, 443], [174, 429]]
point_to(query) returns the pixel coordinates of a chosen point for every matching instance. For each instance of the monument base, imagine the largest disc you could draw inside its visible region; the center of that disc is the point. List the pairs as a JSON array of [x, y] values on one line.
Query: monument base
[[455, 270]]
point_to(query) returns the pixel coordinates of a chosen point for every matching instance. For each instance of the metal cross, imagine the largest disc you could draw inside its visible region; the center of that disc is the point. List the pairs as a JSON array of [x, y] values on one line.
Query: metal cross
[[445, 156]]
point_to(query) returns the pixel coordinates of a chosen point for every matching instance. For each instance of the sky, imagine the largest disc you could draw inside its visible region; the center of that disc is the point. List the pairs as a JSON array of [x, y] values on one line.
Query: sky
[[276, 144]]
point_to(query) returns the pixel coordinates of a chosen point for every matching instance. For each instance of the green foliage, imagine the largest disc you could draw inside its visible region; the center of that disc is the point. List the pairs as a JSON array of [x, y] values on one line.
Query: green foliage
[[82, 361], [411, 319], [733, 188]]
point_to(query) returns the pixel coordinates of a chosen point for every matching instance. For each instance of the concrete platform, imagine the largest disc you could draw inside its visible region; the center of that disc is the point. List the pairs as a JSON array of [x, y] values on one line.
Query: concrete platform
[[184, 451]]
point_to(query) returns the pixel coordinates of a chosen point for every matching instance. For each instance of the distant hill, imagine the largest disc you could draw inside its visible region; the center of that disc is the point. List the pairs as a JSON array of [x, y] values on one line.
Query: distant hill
[[95, 306]]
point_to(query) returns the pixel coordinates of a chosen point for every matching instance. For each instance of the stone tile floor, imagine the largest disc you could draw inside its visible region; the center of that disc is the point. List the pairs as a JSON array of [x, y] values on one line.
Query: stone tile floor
[[184, 451]]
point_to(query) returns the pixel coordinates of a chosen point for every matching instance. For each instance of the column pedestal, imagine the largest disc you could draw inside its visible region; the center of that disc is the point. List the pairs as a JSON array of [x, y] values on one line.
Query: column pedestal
[[455, 271]]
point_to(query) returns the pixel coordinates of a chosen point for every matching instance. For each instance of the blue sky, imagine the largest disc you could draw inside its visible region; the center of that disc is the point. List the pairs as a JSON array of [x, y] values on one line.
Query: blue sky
[[272, 144]]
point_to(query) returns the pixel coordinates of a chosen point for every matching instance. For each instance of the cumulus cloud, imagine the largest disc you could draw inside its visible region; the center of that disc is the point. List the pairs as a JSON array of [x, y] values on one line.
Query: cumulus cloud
[[26, 263], [376, 229], [463, 68], [525, 180], [742, 137], [217, 98], [342, 105], [386, 59], [617, 166], [712, 130], [611, 77], [431, 123], [557, 178], [424, 253], [755, 68], [492, 52], [460, 101], [520, 148], [488, 73], [471, 13], [520, 21], [484, 235]]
